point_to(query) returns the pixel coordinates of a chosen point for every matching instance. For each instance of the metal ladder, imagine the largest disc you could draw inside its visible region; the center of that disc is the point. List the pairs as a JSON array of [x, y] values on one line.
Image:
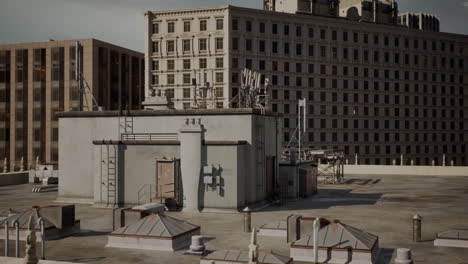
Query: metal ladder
[[111, 176], [125, 124]]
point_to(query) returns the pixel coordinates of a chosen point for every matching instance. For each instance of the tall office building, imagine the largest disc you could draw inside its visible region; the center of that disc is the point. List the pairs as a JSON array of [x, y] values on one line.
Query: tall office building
[[377, 89], [39, 79]]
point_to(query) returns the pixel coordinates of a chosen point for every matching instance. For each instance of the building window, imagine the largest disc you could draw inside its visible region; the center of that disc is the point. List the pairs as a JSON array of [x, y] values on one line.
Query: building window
[[261, 46], [248, 45], [170, 93], [170, 65], [235, 24], [155, 79], [219, 77], [235, 43], [203, 25], [170, 46], [55, 134], [170, 79], [219, 92], [170, 27], [186, 44], [298, 49], [219, 43], [219, 62], [202, 44], [186, 93], [202, 63], [186, 26], [248, 26], [274, 29], [187, 64], [155, 65], [311, 32], [156, 28], [298, 31], [155, 46], [186, 78], [219, 24], [262, 27], [323, 51]]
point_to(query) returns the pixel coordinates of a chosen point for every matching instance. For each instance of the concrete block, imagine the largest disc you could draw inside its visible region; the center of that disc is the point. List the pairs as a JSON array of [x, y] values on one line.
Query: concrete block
[[294, 228], [440, 242]]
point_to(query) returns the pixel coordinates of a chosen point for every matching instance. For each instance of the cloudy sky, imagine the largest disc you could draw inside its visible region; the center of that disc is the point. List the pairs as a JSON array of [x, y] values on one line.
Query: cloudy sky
[[121, 21]]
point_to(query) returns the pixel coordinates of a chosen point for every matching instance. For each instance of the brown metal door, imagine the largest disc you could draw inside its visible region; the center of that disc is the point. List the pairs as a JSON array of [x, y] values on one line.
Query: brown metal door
[[167, 179]]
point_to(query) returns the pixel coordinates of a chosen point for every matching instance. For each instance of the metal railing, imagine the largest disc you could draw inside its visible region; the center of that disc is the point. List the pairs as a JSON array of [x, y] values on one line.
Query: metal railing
[[149, 136], [16, 225], [142, 192]]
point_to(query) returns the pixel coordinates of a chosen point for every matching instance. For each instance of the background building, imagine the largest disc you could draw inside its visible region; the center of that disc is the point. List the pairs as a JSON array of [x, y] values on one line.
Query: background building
[[374, 89], [376, 11], [314, 7], [39, 79], [420, 21]]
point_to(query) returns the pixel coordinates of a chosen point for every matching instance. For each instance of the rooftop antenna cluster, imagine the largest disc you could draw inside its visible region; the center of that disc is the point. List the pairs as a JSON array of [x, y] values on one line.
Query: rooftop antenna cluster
[[253, 92]]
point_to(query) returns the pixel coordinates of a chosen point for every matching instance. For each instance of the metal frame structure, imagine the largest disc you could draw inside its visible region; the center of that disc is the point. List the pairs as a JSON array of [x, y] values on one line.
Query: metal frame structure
[[253, 94], [330, 163]]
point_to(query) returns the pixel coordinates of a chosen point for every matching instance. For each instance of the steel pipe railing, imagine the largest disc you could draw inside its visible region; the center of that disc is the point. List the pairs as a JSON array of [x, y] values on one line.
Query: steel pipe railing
[[7, 239], [17, 233], [40, 221]]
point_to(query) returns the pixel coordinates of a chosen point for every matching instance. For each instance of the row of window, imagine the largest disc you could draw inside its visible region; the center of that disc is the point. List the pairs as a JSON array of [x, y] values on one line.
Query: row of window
[[345, 36], [377, 124], [423, 138], [203, 45], [323, 34], [186, 64], [171, 27], [350, 110], [350, 54], [186, 79]]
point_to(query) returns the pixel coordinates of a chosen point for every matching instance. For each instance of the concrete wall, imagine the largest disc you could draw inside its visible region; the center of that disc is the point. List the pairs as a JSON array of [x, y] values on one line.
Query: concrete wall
[[241, 164], [404, 170], [77, 156], [14, 178]]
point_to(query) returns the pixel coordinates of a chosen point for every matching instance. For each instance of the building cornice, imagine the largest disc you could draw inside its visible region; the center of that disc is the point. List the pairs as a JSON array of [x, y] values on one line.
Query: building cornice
[[191, 11]]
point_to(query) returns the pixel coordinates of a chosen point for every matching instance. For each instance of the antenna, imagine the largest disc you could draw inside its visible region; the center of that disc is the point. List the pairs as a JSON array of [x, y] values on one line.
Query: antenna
[[82, 83]]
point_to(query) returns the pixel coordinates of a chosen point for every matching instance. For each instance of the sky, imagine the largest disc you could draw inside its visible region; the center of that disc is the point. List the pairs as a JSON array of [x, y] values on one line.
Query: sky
[[121, 22]]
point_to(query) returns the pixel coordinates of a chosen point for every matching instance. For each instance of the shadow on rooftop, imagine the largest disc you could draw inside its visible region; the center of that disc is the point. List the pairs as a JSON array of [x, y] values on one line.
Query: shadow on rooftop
[[83, 260], [89, 233], [326, 198]]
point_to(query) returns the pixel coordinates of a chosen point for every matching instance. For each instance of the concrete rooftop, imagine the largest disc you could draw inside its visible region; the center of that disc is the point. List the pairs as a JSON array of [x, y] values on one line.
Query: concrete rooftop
[[381, 205]]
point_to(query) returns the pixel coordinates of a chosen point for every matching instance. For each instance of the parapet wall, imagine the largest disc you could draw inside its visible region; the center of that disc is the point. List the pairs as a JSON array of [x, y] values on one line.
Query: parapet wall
[[405, 170], [14, 178]]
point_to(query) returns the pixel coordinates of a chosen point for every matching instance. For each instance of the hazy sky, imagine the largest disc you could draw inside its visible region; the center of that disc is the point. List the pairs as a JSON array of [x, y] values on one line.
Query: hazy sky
[[121, 21]]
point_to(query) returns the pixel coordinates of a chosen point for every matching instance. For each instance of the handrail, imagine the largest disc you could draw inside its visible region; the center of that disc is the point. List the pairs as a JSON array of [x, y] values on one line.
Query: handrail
[[16, 225], [7, 239], [140, 194], [149, 136], [40, 222]]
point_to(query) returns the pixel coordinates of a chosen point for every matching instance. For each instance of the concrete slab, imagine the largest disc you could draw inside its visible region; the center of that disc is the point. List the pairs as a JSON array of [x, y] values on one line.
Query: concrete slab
[[381, 205]]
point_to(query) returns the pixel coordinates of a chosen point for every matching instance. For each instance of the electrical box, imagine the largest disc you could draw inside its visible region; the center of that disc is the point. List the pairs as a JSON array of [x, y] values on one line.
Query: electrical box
[[208, 170], [208, 180]]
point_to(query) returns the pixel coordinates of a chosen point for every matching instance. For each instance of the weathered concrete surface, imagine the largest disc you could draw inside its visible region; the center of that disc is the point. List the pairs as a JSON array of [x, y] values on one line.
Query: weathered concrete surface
[[379, 205], [4, 260]]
